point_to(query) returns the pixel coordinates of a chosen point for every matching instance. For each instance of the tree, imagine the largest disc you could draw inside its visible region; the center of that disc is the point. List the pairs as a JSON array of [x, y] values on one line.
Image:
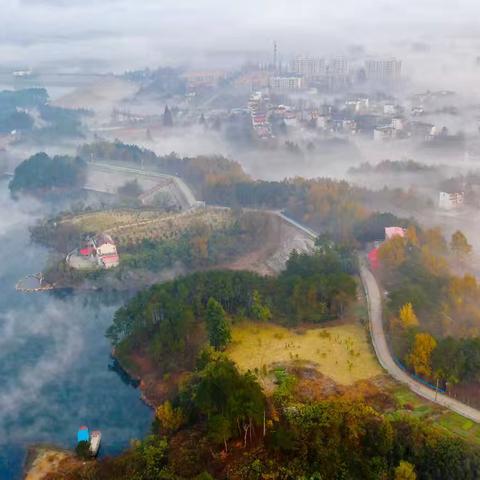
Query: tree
[[420, 356], [436, 242], [411, 236], [169, 418], [392, 253], [405, 471], [259, 310], [459, 245], [219, 430], [130, 189], [218, 327], [167, 117], [408, 319], [152, 455]]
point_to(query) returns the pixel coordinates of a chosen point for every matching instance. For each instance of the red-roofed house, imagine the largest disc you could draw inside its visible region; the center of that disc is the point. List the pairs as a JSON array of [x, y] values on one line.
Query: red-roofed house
[[391, 232]]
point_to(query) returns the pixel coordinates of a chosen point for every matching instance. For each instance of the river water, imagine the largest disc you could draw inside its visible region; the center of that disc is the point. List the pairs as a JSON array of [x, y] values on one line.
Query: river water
[[55, 365]]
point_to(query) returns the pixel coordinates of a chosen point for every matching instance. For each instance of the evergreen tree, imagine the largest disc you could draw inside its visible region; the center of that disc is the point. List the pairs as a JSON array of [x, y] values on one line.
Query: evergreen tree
[[217, 325]]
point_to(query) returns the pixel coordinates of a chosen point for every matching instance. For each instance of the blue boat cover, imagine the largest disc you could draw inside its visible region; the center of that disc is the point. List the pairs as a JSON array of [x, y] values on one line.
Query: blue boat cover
[[83, 435]]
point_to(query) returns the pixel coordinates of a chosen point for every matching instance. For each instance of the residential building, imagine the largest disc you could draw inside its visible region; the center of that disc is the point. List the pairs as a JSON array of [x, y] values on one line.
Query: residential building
[[451, 200], [309, 67], [391, 232], [383, 70], [285, 83]]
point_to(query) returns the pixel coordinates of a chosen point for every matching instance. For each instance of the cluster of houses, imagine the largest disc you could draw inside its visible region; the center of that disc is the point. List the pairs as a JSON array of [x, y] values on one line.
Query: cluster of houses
[[99, 251], [258, 106]]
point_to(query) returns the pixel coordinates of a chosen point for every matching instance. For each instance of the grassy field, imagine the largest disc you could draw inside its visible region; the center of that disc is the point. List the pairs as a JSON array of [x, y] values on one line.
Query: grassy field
[[442, 418], [129, 226], [341, 352]]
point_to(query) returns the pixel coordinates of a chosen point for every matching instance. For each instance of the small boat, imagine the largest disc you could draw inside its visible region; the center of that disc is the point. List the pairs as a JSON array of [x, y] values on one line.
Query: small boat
[[95, 439], [83, 434]]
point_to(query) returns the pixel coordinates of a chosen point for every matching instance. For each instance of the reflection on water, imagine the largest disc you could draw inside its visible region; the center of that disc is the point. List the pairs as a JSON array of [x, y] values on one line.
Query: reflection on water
[[55, 365]]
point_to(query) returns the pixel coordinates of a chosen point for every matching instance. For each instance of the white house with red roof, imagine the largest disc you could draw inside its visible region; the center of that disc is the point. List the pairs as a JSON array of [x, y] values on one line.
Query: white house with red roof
[[99, 251]]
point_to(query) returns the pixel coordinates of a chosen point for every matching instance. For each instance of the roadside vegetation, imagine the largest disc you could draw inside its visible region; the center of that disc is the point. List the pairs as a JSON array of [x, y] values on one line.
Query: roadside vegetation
[[433, 313]]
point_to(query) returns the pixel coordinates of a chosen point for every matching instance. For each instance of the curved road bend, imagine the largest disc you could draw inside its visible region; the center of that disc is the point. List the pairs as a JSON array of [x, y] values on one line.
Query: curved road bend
[[380, 345], [384, 356], [377, 333]]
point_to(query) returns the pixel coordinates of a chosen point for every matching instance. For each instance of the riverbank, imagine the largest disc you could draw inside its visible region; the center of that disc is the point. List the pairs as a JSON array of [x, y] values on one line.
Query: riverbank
[[44, 460]]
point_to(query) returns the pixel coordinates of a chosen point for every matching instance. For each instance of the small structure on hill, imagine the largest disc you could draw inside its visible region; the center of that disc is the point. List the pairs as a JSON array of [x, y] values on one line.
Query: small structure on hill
[[391, 232], [98, 252]]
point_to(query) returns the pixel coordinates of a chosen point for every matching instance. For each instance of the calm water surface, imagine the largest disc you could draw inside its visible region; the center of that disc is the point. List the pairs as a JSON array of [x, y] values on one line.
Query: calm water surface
[[55, 366]]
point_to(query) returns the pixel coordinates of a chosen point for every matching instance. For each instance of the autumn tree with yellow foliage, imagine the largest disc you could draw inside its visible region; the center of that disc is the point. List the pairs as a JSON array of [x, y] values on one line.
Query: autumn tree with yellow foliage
[[405, 471], [392, 253], [408, 319], [460, 246], [420, 356], [169, 419], [411, 236]]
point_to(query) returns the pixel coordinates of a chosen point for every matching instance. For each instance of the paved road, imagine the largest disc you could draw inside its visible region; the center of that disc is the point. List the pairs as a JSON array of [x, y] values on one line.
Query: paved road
[[385, 358], [380, 345]]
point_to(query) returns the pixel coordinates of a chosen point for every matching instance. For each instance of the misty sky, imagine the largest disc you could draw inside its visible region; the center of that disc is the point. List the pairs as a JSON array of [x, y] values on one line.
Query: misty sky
[[105, 35]]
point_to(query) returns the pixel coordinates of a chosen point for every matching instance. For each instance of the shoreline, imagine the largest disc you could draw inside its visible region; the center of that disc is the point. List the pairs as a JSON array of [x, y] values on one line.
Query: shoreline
[[134, 380], [44, 458]]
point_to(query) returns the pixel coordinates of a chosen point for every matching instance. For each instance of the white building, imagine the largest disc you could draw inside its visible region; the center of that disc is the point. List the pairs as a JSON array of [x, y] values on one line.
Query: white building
[[391, 232], [383, 69], [309, 67], [287, 83], [398, 123], [451, 201]]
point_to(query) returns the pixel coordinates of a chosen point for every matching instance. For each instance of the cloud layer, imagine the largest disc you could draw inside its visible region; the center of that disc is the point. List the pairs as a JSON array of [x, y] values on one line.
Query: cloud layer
[[116, 34]]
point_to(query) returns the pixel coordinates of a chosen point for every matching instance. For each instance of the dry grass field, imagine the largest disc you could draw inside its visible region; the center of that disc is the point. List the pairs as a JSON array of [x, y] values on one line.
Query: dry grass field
[[128, 226], [341, 352]]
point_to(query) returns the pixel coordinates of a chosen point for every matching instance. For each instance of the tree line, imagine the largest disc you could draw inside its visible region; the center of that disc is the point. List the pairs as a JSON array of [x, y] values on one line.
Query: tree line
[[433, 313], [41, 172], [331, 205], [221, 425], [172, 321]]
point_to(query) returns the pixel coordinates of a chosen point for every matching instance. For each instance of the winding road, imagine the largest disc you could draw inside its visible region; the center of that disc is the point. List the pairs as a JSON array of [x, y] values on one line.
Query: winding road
[[374, 299], [386, 360], [380, 345]]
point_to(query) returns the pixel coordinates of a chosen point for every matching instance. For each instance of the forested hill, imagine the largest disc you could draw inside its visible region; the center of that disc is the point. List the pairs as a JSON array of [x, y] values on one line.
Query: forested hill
[[42, 173], [323, 203], [160, 321], [221, 424]]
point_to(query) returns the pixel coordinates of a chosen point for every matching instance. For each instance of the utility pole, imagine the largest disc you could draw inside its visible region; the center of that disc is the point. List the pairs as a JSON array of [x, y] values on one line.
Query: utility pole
[[436, 391]]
